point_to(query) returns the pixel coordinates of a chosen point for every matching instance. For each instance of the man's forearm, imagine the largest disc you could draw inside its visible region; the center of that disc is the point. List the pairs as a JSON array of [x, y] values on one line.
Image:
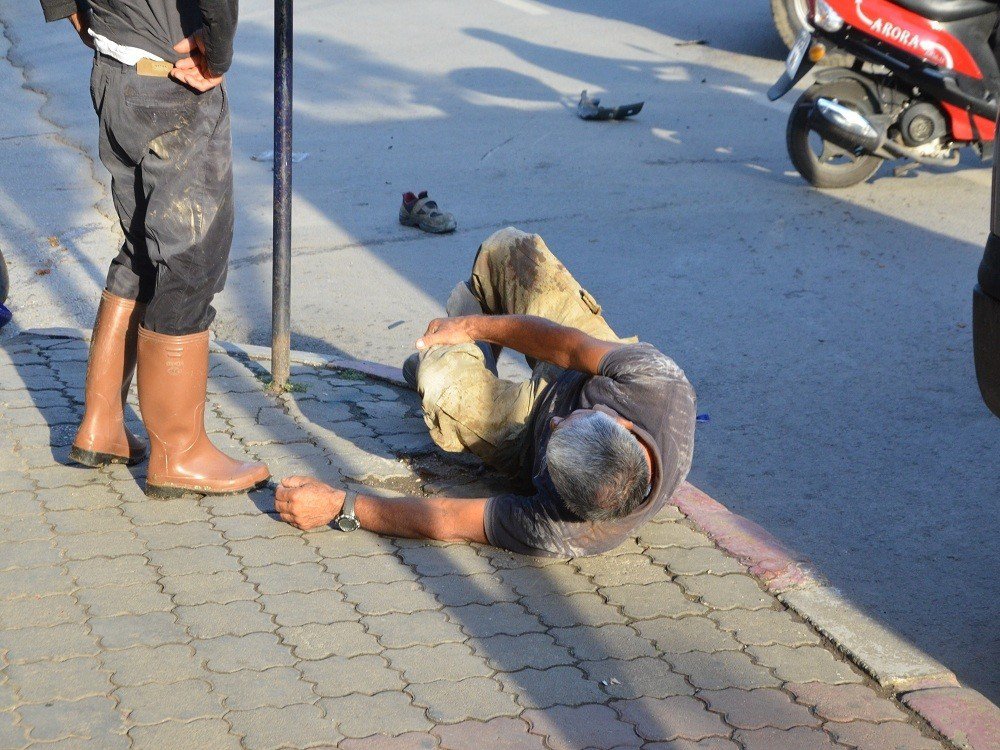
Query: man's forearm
[[441, 518], [538, 338]]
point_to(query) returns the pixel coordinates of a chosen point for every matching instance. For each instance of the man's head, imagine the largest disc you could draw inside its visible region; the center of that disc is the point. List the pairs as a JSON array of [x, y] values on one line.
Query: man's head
[[597, 465]]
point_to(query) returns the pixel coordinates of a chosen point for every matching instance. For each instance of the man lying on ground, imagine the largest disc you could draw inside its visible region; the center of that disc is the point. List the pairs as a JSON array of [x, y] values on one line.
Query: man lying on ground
[[603, 429]]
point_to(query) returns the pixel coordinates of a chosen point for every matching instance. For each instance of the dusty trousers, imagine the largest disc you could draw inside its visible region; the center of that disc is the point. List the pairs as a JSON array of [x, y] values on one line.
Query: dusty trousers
[[169, 152]]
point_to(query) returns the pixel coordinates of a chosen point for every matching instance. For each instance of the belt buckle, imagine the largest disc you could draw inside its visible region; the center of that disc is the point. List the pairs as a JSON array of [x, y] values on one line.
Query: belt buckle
[[155, 68]]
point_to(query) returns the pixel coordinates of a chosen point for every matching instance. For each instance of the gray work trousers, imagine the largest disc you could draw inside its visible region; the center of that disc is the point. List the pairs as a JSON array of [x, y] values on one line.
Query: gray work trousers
[[169, 151]]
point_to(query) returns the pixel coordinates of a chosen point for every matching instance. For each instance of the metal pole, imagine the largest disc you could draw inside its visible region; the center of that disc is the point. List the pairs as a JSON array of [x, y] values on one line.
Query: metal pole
[[282, 240]]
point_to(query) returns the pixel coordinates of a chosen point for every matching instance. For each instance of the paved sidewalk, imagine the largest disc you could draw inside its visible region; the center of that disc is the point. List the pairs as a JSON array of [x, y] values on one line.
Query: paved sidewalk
[[128, 622]]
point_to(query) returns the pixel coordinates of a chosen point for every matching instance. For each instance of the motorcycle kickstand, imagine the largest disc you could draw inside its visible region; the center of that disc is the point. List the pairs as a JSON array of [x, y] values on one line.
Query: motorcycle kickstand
[[905, 168]]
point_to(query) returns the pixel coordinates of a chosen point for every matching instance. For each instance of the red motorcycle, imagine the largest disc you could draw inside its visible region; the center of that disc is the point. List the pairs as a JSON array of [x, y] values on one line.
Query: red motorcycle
[[924, 84]]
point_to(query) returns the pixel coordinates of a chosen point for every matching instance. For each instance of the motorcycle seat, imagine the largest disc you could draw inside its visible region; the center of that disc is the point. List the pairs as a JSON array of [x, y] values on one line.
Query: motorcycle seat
[[948, 10]]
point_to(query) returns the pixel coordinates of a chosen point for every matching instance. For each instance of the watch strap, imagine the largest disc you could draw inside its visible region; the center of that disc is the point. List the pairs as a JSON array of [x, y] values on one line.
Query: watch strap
[[349, 498]]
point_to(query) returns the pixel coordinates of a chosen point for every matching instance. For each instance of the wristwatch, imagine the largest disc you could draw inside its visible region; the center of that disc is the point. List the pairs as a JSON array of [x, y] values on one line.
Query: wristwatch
[[347, 521]]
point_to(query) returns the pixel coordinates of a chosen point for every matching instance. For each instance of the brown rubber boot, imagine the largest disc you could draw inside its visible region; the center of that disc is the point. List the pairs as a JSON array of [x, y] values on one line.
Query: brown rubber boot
[[103, 438], [173, 376]]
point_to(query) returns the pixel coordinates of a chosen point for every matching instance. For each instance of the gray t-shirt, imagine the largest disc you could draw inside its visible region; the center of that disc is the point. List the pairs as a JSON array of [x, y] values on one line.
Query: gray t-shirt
[[641, 385]]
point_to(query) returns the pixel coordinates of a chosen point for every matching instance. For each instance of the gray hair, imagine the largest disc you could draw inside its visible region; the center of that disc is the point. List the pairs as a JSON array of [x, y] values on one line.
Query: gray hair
[[598, 467]]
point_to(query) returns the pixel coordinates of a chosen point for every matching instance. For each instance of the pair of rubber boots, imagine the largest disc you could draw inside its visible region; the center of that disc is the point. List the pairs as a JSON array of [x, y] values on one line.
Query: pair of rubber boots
[[172, 378]]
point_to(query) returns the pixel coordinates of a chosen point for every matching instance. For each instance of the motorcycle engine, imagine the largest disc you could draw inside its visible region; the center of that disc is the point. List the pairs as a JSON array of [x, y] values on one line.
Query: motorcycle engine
[[920, 123]]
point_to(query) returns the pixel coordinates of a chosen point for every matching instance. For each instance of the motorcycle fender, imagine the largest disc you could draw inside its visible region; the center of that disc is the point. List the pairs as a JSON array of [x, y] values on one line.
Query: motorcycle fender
[[828, 75], [794, 72]]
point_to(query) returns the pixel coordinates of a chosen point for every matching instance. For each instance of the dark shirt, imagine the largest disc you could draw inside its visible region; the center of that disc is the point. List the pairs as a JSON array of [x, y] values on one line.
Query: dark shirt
[[635, 382], [157, 25]]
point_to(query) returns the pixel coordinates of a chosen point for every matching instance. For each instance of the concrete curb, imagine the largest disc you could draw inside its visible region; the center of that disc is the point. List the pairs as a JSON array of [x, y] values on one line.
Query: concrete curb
[[965, 717]]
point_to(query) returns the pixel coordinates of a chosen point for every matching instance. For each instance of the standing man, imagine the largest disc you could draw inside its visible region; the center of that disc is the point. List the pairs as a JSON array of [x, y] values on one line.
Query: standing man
[[157, 86]]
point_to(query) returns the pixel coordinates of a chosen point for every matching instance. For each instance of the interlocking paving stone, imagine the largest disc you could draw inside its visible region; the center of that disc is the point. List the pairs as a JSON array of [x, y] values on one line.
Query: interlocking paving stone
[[275, 688], [660, 599], [671, 718], [77, 498], [203, 733], [502, 733], [16, 504], [447, 661], [637, 677], [572, 728], [726, 592], [337, 676], [615, 571], [593, 643], [846, 702], [509, 653], [181, 561], [374, 569], [894, 735], [47, 610], [385, 713], [285, 551], [110, 601], [89, 546], [199, 588], [296, 608], [765, 627], [182, 701], [383, 598], [67, 680], [797, 738], [344, 549], [478, 588], [692, 561], [756, 709], [710, 743], [144, 664], [125, 631], [178, 511], [84, 718], [50, 642], [30, 554], [672, 535], [235, 618], [129, 569], [473, 698], [804, 664], [315, 641], [723, 669], [93, 521], [675, 636], [255, 651], [551, 580], [420, 628], [294, 726], [262, 525], [284, 579], [483, 620], [542, 688], [12, 736], [572, 609], [180, 535], [438, 561]]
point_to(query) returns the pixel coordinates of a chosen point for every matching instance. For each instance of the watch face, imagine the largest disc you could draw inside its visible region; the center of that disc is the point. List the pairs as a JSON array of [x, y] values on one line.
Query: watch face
[[346, 523]]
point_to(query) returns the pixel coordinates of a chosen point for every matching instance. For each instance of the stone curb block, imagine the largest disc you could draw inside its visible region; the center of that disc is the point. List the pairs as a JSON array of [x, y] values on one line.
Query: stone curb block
[[965, 717], [892, 661], [777, 566]]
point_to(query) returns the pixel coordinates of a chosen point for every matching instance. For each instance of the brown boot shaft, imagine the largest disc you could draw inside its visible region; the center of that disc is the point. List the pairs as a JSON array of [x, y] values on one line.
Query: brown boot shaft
[[102, 437], [173, 376]]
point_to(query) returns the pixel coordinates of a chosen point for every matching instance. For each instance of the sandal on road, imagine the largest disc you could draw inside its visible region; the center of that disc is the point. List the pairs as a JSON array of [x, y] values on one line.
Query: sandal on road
[[422, 212]]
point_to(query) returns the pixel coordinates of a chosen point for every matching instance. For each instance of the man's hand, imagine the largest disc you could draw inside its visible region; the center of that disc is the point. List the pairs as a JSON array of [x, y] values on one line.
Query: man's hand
[[81, 22], [448, 331], [307, 503], [193, 70]]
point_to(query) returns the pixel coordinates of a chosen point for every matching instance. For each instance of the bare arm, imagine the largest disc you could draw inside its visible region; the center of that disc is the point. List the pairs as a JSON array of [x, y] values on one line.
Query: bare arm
[[534, 337], [307, 503]]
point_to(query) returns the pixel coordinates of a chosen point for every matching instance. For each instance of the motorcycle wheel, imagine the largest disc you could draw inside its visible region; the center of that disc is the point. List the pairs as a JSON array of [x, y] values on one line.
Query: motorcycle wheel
[[4, 279], [821, 163], [790, 19]]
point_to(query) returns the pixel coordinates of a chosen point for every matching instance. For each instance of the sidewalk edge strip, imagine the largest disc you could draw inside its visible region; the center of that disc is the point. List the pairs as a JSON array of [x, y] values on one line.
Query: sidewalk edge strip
[[966, 718]]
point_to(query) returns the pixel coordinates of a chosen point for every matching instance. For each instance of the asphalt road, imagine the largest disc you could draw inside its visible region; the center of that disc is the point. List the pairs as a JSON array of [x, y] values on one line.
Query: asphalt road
[[827, 333]]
